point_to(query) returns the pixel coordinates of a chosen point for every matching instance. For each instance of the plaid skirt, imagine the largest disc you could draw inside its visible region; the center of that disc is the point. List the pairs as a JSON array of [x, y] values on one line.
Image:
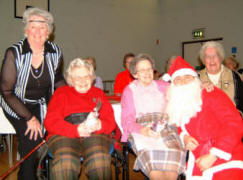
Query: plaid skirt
[[66, 157], [172, 158]]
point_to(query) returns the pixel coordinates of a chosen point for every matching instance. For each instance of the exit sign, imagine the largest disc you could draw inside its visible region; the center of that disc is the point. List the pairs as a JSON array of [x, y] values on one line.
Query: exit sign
[[198, 33]]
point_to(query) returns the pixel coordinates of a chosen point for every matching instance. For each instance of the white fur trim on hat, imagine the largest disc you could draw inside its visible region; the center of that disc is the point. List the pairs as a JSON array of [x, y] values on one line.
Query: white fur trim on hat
[[182, 72], [166, 77]]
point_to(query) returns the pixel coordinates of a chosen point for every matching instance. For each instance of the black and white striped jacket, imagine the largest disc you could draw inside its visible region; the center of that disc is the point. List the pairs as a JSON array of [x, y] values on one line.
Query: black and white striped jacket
[[23, 56]]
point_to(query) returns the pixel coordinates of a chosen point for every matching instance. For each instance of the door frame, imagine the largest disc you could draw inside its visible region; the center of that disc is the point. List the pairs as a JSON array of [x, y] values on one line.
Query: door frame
[[198, 41]]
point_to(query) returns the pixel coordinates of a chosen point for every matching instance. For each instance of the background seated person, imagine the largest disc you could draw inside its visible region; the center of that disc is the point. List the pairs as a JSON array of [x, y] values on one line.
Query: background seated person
[[167, 66], [157, 75], [69, 136], [233, 64], [210, 124], [98, 81], [124, 78], [212, 55], [143, 102]]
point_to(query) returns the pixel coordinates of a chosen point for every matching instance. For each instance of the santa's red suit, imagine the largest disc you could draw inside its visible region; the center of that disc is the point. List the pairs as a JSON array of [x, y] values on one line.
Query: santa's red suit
[[218, 128]]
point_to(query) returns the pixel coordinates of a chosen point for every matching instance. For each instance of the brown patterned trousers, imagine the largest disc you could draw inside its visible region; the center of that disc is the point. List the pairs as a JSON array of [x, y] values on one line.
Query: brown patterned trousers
[[67, 152]]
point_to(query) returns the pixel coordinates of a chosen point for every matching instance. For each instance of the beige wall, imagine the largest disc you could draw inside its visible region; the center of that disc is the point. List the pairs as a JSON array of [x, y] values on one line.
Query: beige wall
[[221, 18], [107, 29]]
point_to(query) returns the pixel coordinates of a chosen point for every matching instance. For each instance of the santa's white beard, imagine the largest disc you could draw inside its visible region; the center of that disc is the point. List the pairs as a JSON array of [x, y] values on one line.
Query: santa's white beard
[[183, 102]]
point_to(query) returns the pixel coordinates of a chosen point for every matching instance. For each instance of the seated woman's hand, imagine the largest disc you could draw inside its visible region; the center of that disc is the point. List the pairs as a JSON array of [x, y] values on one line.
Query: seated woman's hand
[[206, 161], [146, 131], [83, 130], [190, 143], [96, 126], [208, 86], [92, 122], [34, 127]]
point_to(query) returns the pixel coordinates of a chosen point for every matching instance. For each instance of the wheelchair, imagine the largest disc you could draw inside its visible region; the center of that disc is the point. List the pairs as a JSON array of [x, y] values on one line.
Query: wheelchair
[[43, 172]]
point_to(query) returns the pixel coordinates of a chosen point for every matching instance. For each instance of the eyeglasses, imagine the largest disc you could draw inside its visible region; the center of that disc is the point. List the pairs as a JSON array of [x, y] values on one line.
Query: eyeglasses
[[145, 70], [80, 78], [38, 21], [182, 80], [211, 56]]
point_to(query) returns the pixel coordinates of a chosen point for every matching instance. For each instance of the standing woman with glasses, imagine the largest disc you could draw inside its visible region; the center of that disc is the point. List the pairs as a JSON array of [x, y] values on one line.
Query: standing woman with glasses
[[31, 70]]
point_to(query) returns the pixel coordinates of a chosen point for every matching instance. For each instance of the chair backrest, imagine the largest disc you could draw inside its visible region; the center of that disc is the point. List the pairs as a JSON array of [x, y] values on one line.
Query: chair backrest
[[109, 86]]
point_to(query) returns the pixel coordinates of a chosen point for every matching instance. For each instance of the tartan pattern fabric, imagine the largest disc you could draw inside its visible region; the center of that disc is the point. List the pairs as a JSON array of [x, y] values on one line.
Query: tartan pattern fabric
[[151, 160], [171, 159], [97, 160], [171, 138], [149, 118], [66, 157]]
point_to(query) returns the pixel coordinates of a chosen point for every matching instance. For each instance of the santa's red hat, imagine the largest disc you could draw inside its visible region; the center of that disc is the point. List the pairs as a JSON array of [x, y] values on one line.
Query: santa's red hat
[[179, 68]]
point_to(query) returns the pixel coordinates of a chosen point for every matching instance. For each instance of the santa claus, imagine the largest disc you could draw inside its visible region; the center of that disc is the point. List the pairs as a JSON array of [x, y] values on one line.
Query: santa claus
[[209, 125]]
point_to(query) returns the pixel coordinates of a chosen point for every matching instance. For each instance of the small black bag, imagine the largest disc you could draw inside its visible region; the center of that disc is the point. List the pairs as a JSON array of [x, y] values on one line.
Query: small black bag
[[76, 118]]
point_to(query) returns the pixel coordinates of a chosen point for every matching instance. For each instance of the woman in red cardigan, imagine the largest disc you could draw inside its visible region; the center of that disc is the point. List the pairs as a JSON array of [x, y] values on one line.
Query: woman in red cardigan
[[78, 121], [124, 78]]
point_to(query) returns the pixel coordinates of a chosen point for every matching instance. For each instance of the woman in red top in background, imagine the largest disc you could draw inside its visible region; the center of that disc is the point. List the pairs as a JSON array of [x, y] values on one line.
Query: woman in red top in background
[[124, 78], [70, 135]]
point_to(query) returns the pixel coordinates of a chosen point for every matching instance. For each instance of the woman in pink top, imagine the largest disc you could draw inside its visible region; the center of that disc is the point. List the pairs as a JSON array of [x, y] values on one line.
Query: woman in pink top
[[143, 102]]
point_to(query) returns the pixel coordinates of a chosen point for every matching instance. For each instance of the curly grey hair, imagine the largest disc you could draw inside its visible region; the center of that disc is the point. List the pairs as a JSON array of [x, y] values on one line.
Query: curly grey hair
[[137, 59], [76, 63], [219, 48], [38, 12]]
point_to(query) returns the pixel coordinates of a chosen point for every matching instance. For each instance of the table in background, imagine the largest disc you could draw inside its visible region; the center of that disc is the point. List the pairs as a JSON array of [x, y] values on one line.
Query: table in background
[[7, 128]]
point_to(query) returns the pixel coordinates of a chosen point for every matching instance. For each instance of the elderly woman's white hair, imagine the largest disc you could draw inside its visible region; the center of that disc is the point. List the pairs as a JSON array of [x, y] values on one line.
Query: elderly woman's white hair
[[219, 48], [38, 12], [77, 63]]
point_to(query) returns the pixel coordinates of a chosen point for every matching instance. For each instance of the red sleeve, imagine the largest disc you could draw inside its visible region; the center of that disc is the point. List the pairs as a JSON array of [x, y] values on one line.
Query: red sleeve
[[106, 115], [230, 121], [54, 121], [118, 86]]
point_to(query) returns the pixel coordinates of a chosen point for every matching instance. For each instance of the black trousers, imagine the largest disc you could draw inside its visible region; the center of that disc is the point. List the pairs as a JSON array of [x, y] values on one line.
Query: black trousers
[[28, 167]]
